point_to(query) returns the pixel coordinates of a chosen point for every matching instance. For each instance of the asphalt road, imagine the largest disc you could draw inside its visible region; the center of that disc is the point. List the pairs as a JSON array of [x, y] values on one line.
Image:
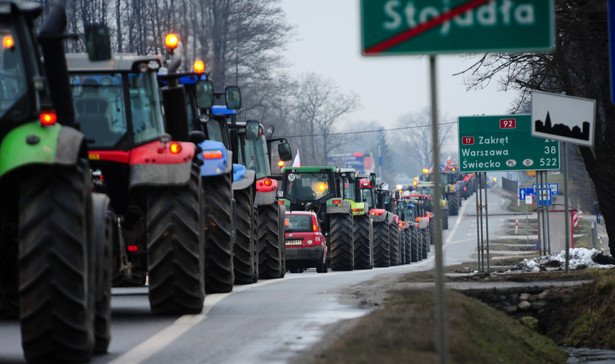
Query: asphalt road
[[270, 321]]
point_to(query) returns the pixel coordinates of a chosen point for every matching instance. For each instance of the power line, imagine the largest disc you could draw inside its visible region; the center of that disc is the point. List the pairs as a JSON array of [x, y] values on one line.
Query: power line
[[368, 131]]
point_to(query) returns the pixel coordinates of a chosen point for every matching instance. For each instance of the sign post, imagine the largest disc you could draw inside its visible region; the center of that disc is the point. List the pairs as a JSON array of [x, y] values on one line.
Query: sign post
[[388, 27], [568, 119]]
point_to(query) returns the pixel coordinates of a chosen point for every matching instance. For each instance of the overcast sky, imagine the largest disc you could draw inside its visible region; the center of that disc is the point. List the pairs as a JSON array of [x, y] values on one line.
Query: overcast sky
[[328, 42]]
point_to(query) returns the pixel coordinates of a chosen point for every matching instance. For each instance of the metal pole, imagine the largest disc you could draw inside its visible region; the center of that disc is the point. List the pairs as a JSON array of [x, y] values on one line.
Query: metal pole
[[479, 220], [539, 230], [566, 212], [548, 229], [440, 289], [487, 224]]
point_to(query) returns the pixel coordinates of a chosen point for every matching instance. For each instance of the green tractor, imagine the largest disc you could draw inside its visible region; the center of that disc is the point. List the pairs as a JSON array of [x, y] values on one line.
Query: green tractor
[[427, 188], [331, 193], [55, 233]]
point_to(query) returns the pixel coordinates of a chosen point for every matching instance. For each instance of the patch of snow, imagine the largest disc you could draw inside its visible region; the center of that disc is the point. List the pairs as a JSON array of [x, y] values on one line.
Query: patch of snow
[[580, 258]]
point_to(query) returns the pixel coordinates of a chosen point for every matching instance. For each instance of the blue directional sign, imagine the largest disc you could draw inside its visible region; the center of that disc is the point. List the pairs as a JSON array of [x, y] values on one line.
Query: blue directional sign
[[544, 197], [525, 192], [554, 187]]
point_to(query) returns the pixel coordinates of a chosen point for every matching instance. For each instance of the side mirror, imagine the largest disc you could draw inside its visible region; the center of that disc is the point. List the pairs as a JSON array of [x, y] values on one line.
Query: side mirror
[[372, 179], [197, 136], [97, 42], [252, 129], [269, 132], [232, 97], [284, 151], [204, 94]]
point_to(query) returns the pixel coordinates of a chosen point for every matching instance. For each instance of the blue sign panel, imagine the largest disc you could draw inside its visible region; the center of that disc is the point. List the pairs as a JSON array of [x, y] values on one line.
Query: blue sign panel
[[525, 192]]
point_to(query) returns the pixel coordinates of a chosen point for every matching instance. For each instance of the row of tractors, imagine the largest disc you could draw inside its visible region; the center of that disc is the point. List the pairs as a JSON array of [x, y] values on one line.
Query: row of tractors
[[365, 226], [119, 170]]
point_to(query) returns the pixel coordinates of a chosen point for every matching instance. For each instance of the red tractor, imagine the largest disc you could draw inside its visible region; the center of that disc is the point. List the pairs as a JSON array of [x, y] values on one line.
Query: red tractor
[[152, 181]]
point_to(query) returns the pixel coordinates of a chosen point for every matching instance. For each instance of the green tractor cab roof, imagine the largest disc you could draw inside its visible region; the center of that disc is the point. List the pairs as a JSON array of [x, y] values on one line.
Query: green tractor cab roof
[[79, 62]]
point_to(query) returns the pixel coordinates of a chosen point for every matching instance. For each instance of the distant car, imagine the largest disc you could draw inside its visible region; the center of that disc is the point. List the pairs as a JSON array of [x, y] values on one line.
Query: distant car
[[306, 246]]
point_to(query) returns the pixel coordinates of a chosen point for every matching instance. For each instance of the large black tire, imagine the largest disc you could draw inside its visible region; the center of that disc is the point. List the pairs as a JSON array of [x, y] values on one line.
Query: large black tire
[[175, 248], [56, 265], [243, 250], [382, 257], [415, 245], [270, 256], [407, 243], [444, 218], [453, 204], [341, 242], [282, 240], [363, 247], [394, 243], [218, 215], [103, 245], [425, 245]]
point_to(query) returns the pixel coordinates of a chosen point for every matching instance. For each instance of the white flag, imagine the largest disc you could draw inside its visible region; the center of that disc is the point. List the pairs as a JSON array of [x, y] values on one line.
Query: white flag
[[297, 161]]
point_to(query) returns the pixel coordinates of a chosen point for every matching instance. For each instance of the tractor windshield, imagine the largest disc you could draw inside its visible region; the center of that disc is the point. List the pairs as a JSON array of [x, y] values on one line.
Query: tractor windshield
[[13, 87], [307, 185], [255, 156], [368, 197], [100, 108]]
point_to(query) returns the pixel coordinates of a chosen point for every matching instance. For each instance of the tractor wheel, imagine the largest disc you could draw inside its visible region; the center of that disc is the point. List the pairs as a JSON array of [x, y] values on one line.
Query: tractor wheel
[[444, 219], [175, 248], [394, 242], [282, 240], [425, 233], [407, 244], [103, 244], [415, 245], [243, 250], [382, 257], [218, 215], [270, 256], [56, 265], [341, 241], [453, 204], [362, 246]]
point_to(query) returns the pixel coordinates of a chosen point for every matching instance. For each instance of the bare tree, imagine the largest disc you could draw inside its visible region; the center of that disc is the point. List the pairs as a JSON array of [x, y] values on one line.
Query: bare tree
[[320, 104], [576, 67], [416, 138]]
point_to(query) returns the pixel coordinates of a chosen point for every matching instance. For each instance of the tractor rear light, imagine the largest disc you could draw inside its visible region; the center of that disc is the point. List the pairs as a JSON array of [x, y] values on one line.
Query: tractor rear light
[[281, 164], [198, 66], [337, 202], [267, 182], [175, 148], [8, 42], [132, 248], [357, 210], [212, 154], [48, 118], [376, 213], [171, 41], [281, 202], [443, 203]]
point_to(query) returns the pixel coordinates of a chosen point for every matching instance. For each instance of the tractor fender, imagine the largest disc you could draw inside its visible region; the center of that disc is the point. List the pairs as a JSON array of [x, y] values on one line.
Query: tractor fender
[[32, 143], [248, 179], [215, 158], [378, 215], [265, 198], [343, 207], [358, 208], [153, 164]]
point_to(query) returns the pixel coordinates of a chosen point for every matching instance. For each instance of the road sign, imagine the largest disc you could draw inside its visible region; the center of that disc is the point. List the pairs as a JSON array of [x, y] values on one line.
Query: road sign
[[503, 143], [554, 187], [525, 192], [544, 197], [456, 26], [564, 118]]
